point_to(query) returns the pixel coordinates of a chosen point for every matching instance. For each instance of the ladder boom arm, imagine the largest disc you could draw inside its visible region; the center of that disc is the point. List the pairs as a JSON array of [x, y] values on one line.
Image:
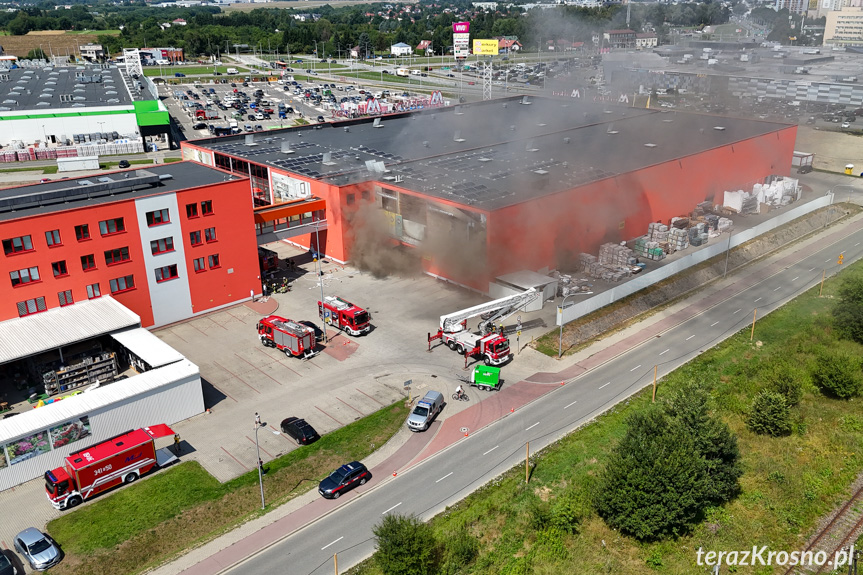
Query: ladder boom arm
[[506, 305]]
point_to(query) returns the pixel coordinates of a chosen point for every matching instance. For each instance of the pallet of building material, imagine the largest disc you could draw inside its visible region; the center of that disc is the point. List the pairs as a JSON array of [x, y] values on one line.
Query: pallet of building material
[[586, 259], [680, 223]]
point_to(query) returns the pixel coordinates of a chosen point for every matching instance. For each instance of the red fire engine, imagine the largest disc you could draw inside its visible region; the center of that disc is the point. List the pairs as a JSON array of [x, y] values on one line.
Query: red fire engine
[[344, 315], [92, 470], [295, 339]]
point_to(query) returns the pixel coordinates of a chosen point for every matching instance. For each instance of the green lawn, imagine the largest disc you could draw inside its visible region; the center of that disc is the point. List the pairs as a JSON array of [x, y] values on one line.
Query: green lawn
[[142, 525], [789, 483], [168, 71]]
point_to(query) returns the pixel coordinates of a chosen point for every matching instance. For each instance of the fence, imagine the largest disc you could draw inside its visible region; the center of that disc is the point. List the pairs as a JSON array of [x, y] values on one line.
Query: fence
[[32, 154], [640, 282]]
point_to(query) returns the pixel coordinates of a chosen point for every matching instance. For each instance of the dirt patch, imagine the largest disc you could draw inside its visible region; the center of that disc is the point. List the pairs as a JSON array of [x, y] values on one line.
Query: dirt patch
[[52, 42], [615, 316]]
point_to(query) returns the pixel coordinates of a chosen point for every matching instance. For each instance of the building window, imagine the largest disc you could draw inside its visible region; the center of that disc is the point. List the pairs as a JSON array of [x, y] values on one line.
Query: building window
[[210, 234], [93, 291], [351, 199], [166, 273], [364, 194], [19, 244], [200, 265], [213, 261], [53, 238], [31, 306], [114, 226], [195, 238], [88, 262], [65, 297], [207, 207], [24, 276], [59, 269], [191, 210], [82, 232], [158, 217], [161, 246], [122, 284], [116, 256]]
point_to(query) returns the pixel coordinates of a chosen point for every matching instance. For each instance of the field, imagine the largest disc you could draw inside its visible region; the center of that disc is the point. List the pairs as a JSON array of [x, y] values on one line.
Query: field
[[788, 484], [56, 42], [247, 7]]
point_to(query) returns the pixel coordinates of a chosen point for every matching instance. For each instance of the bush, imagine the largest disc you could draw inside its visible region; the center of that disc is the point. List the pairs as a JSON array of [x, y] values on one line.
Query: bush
[[848, 311], [406, 546], [769, 414], [460, 549], [569, 510], [837, 373], [785, 379]]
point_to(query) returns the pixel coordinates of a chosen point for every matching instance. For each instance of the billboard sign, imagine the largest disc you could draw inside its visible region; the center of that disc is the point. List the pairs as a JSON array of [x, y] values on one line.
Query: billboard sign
[[485, 47], [461, 39]]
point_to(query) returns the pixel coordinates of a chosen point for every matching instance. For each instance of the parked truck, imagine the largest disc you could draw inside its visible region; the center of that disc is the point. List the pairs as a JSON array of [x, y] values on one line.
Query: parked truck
[[206, 114], [425, 411], [293, 338], [489, 345], [344, 315], [121, 459]]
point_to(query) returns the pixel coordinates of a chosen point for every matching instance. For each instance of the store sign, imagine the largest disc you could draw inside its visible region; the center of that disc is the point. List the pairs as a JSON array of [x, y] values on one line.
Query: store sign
[[485, 47], [461, 39]]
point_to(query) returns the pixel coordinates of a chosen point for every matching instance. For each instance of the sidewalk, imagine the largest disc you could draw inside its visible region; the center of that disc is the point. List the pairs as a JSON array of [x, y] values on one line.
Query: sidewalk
[[406, 449]]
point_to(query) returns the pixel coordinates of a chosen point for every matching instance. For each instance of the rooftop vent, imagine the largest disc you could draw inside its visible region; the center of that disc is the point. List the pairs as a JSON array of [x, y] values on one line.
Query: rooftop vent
[[649, 145], [566, 140], [286, 147], [43, 103], [525, 101], [250, 140], [458, 111], [13, 102], [483, 160], [425, 143], [79, 99], [529, 147], [347, 129], [719, 128], [504, 104], [377, 123], [457, 137], [327, 159], [541, 172]]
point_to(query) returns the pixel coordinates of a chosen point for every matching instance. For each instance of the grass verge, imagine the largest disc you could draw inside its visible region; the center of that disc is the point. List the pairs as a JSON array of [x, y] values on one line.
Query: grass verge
[[168, 71], [789, 483], [143, 525]]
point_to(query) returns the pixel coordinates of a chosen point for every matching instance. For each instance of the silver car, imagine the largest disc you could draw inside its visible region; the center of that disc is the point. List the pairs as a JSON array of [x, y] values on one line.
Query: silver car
[[38, 549]]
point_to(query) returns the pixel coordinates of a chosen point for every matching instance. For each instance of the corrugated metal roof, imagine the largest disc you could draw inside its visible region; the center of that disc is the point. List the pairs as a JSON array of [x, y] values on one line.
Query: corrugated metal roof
[[148, 347], [86, 403], [26, 336]]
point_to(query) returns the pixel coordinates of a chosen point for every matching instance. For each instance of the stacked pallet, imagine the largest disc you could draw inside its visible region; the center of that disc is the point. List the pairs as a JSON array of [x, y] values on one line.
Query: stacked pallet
[[698, 235], [678, 239], [612, 272], [657, 232], [725, 225], [614, 254], [644, 248]]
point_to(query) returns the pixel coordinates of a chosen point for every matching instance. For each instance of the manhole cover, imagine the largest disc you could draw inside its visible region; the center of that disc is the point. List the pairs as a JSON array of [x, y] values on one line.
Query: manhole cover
[[465, 429]]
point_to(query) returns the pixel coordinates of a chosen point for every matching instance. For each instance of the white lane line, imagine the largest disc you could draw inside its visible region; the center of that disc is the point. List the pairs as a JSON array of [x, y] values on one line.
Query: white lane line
[[812, 269], [759, 299], [492, 449], [604, 384], [636, 367], [333, 543], [441, 479], [741, 309], [825, 261], [571, 404], [857, 244], [532, 426], [714, 323], [664, 352], [690, 337], [778, 288], [384, 513], [795, 278]]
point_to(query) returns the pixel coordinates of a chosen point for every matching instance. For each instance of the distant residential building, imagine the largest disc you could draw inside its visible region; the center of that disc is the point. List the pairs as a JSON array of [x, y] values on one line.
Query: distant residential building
[[179, 22], [485, 5], [844, 27], [303, 17], [401, 49], [646, 40], [356, 52], [425, 46], [793, 6], [506, 45], [92, 52], [619, 38]]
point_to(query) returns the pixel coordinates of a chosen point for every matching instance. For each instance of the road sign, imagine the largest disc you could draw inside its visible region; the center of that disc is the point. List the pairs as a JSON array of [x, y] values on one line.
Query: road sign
[[408, 383]]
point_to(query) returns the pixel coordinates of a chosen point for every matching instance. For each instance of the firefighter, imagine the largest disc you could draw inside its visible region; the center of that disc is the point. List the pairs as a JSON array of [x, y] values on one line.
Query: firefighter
[[501, 329], [177, 444]]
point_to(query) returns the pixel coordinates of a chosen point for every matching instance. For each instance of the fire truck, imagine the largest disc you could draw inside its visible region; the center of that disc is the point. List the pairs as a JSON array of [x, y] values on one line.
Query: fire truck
[[344, 315], [490, 346], [293, 338], [120, 459]]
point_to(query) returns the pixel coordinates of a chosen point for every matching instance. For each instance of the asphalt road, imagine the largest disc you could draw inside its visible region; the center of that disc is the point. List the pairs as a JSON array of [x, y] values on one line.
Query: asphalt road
[[444, 479]]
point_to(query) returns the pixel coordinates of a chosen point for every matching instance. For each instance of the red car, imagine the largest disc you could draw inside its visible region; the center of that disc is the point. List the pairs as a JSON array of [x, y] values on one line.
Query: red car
[[268, 111]]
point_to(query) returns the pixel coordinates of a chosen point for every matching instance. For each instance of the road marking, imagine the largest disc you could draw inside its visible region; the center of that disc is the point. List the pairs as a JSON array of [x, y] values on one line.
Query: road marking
[[812, 269], [571, 404], [778, 288], [387, 511], [636, 367], [825, 261], [664, 352], [604, 384], [444, 477], [334, 542], [795, 278], [492, 449], [690, 337], [741, 309], [714, 323], [857, 244], [532, 426], [756, 301]]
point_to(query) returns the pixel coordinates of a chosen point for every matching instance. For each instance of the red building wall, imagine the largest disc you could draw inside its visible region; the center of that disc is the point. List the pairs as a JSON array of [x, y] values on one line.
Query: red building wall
[[553, 230]]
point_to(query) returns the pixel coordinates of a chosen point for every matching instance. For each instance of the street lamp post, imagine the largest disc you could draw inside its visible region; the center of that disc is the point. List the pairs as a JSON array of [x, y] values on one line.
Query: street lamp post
[[320, 270], [560, 336], [258, 462]]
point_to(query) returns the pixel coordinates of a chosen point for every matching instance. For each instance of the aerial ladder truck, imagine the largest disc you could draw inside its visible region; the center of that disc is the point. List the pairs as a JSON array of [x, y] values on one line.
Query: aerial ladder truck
[[487, 344]]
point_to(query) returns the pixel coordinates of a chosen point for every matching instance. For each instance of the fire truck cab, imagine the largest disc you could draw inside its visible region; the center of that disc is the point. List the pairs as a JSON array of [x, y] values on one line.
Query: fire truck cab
[[344, 315]]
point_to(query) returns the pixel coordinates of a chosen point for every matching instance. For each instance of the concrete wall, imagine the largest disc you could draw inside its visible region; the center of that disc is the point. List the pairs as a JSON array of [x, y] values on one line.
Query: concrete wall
[[719, 246]]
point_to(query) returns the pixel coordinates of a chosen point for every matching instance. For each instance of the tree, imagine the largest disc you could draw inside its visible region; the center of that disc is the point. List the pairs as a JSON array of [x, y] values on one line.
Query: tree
[[769, 414], [786, 379], [364, 43], [406, 546], [653, 485], [837, 373], [36, 54], [848, 311]]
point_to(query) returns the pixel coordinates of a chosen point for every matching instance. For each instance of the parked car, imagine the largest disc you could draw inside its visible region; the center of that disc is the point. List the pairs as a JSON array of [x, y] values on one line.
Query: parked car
[[319, 334], [344, 479], [258, 116], [40, 551], [179, 75], [259, 128], [320, 119], [6, 567], [300, 431], [124, 164], [251, 117], [199, 126]]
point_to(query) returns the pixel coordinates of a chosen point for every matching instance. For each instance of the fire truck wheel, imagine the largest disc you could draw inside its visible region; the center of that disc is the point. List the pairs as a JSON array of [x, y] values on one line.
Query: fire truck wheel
[[487, 361], [74, 501], [287, 352], [451, 345], [130, 478], [460, 350]]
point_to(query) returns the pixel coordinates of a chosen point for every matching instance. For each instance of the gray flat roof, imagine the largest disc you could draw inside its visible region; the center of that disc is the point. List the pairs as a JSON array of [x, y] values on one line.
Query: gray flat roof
[[495, 153], [105, 187], [52, 88]]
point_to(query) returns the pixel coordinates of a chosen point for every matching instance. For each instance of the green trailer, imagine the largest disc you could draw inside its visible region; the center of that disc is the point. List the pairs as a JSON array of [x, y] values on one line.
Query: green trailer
[[486, 377]]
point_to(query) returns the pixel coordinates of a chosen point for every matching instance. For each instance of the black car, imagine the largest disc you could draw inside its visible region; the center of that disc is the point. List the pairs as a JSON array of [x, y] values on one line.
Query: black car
[[251, 117], [319, 334], [123, 164], [320, 118], [344, 479], [299, 431], [6, 567]]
